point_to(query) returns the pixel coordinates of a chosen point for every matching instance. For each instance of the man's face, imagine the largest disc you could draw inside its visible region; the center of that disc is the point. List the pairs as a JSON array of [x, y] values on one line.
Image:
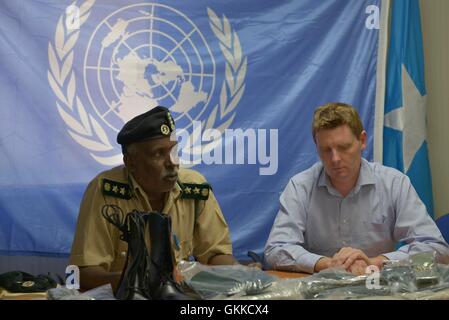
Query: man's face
[[151, 164], [340, 152]]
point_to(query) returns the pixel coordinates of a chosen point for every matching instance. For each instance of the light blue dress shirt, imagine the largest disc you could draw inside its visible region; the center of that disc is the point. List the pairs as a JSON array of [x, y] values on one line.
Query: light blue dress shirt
[[383, 208]]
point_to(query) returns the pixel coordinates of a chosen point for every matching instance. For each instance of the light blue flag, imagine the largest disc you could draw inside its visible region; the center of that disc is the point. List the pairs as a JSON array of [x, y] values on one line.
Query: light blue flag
[[405, 145], [73, 72]]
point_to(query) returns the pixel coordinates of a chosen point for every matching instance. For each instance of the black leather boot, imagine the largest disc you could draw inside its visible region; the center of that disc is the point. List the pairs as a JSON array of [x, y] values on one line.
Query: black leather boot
[[135, 274], [162, 285]]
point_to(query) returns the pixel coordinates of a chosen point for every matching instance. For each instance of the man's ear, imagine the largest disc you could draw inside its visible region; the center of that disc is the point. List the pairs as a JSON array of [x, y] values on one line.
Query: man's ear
[[128, 161], [363, 140]]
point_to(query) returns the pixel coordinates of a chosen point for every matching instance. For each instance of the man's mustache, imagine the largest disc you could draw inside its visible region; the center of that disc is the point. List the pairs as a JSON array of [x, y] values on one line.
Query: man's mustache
[[170, 174]]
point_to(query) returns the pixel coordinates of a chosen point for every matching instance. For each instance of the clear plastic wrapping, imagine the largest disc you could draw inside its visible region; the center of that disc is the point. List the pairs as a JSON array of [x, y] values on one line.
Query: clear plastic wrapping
[[100, 293], [399, 276], [417, 278], [425, 268], [210, 282], [280, 289]]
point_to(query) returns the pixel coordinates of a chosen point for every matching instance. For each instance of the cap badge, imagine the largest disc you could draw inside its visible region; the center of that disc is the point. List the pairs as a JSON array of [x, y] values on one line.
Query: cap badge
[[28, 284], [165, 129]]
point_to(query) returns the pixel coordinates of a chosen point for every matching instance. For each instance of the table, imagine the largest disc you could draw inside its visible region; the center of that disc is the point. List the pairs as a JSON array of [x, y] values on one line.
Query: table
[[286, 274], [5, 295]]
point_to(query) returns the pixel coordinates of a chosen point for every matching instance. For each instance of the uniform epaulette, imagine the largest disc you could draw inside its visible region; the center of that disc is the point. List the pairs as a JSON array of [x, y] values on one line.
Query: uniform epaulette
[[198, 191], [116, 189]]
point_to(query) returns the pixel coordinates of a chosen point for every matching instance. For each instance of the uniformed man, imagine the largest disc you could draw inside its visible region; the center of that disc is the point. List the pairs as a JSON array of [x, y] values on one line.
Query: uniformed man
[[150, 180]]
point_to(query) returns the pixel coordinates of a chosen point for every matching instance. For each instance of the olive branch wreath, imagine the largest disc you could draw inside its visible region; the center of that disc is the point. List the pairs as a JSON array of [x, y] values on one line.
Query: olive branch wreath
[[86, 130]]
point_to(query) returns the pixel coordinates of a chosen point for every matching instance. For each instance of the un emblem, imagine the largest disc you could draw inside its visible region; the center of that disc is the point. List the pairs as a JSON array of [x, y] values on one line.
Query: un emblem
[[138, 57]]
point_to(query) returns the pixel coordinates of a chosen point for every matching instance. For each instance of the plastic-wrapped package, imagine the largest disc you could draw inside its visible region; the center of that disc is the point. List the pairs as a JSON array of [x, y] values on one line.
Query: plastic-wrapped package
[[397, 281], [335, 283], [355, 292], [60, 292], [329, 279], [317, 286], [425, 268], [399, 276], [280, 289], [418, 277], [210, 282], [100, 293], [443, 271], [103, 292], [439, 291]]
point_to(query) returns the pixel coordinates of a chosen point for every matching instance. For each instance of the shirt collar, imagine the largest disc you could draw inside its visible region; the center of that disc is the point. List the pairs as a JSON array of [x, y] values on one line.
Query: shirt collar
[[175, 192], [366, 177]]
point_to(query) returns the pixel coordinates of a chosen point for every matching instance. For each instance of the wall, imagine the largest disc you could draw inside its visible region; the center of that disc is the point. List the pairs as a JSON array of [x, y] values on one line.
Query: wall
[[435, 27]]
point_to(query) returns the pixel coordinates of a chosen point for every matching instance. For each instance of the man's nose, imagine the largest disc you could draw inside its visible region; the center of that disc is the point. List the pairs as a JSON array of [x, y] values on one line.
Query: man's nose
[[168, 162], [335, 155], [172, 158]]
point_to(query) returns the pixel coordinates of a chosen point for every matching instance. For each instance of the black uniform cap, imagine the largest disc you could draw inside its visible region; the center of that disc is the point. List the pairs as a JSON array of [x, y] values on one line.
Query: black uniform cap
[[155, 123]]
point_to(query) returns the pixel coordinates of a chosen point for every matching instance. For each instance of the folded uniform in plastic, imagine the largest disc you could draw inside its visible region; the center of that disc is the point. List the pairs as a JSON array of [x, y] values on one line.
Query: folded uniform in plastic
[[214, 281]]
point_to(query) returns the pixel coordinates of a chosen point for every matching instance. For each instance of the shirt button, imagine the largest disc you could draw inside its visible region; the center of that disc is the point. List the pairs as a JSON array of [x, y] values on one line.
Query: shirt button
[[123, 253], [344, 220]]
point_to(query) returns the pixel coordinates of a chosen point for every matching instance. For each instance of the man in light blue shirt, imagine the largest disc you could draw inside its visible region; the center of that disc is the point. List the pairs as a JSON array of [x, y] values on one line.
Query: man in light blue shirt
[[345, 211]]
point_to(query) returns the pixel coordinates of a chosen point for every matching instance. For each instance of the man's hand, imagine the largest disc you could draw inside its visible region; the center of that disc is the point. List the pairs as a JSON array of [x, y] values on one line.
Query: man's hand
[[227, 259], [352, 260], [356, 261], [222, 259], [347, 256], [95, 276], [378, 261], [358, 267], [322, 263]]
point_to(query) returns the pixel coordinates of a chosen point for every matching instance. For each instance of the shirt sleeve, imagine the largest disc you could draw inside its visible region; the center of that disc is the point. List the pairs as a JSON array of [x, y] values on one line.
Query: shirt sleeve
[[93, 243], [284, 248], [211, 234], [413, 226]]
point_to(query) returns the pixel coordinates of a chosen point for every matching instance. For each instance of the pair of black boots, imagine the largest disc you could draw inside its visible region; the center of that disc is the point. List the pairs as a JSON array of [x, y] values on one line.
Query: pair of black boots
[[148, 272]]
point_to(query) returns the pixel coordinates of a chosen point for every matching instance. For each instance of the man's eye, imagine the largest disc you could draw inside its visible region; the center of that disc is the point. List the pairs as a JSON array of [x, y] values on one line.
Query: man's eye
[[156, 154], [345, 147]]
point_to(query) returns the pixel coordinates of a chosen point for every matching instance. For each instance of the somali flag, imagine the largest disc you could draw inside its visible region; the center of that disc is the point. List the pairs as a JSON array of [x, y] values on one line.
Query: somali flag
[[404, 139]]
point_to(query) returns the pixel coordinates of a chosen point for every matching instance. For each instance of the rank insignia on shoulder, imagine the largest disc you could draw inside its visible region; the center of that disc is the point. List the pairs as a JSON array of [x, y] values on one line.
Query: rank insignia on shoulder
[[195, 191], [116, 189]]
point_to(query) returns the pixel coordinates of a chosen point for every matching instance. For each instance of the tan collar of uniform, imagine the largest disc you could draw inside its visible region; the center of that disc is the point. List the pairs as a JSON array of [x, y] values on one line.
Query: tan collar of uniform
[[175, 192]]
